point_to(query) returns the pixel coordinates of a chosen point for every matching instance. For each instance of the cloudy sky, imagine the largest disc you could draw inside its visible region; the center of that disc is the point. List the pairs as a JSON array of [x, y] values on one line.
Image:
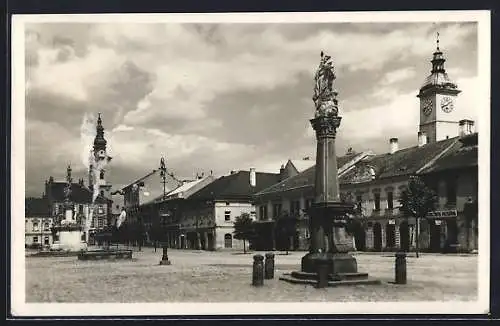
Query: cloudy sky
[[224, 96]]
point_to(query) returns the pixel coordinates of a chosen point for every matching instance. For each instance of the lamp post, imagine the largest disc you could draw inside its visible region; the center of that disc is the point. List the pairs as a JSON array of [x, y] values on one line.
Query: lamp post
[[163, 176]]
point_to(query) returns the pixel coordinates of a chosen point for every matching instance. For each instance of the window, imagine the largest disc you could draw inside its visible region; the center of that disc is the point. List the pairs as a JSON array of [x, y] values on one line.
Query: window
[[80, 209], [263, 212], [46, 241], [100, 209], [100, 223], [92, 224], [252, 214], [451, 191], [377, 201], [227, 203], [390, 200], [276, 210], [35, 239], [102, 193], [46, 226], [227, 215], [35, 226], [101, 175]]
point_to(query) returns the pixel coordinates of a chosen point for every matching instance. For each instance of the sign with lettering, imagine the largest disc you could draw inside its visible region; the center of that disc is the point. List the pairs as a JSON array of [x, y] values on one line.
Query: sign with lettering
[[437, 222], [448, 213], [392, 222]]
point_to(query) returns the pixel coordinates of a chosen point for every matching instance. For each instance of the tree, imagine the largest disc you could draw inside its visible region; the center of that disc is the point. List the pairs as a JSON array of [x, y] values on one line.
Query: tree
[[417, 200], [244, 229]]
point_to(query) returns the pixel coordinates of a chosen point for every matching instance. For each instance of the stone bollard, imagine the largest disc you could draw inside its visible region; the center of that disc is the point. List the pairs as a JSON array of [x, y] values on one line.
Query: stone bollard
[[322, 266], [269, 266], [164, 258], [258, 270], [400, 269]]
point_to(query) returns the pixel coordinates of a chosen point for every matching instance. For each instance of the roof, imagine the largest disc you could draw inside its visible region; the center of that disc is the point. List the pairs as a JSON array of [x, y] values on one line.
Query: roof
[[79, 193], [236, 186], [302, 165], [136, 181], [462, 155], [187, 186], [409, 160], [303, 179], [34, 207]]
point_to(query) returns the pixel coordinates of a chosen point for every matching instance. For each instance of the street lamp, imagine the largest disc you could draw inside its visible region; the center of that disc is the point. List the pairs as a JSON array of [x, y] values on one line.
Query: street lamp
[[163, 175]]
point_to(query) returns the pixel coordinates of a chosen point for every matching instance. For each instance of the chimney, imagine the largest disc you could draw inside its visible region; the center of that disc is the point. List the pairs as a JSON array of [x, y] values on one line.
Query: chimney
[[422, 138], [394, 146], [465, 127], [253, 177]]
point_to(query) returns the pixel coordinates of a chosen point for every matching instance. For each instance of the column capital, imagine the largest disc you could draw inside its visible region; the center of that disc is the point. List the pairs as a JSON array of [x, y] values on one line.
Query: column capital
[[326, 126]]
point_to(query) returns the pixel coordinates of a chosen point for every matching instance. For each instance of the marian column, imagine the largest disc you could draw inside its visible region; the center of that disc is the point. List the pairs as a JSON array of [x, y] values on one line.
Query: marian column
[[329, 240]]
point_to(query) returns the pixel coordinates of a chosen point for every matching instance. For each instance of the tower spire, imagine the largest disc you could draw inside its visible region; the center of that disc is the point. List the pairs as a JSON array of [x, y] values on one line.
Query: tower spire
[[437, 41], [99, 141]]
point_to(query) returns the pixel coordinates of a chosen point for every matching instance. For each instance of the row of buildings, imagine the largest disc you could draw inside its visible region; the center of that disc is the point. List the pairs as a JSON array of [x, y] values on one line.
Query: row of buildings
[[200, 213]]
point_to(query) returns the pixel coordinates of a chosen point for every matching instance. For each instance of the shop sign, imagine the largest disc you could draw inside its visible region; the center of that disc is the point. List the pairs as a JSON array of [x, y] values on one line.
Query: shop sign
[[448, 213], [437, 222], [392, 222]]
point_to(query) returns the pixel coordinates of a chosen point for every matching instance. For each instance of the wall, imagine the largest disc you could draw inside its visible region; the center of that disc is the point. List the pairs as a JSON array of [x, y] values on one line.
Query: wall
[[41, 234], [225, 227]]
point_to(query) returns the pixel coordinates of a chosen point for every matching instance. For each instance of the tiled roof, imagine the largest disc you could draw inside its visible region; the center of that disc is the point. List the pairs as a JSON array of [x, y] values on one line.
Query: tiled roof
[[303, 179], [409, 160], [462, 155], [79, 193], [36, 207], [235, 186]]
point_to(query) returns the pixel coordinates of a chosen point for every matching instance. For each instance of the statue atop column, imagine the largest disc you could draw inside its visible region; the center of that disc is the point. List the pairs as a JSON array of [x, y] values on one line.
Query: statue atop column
[[325, 96]]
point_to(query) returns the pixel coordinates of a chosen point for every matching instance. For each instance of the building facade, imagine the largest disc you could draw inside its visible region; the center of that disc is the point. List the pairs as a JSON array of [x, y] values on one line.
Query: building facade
[[38, 223], [207, 217]]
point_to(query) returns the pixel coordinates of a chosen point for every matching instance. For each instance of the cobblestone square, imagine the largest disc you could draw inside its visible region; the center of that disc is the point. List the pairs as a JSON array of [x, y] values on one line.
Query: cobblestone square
[[226, 277]]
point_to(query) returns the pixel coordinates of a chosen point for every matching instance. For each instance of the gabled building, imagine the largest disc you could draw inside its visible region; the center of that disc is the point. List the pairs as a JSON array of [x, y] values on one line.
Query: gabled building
[[208, 216], [162, 216], [290, 198], [81, 196], [37, 222], [143, 190]]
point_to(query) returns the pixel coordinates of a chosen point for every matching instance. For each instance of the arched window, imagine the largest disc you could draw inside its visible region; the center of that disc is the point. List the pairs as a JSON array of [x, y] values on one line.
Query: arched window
[[228, 240]]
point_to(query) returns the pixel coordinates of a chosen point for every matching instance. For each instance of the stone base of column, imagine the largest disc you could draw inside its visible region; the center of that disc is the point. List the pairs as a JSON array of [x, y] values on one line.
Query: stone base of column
[[337, 262]]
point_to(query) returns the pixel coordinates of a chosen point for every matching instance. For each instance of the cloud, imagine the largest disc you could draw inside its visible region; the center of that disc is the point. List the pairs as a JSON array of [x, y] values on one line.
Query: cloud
[[224, 96]]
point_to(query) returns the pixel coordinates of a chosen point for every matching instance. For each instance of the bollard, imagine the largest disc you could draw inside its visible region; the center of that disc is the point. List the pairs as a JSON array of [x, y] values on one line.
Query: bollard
[[400, 269], [164, 257], [322, 273], [269, 266], [258, 270]]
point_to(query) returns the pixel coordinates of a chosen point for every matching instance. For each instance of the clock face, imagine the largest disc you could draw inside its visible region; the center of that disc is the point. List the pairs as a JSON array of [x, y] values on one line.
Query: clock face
[[447, 104], [427, 106]]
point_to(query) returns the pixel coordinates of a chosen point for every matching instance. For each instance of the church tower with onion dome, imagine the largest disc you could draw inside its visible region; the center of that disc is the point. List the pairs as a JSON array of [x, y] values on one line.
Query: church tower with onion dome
[[437, 101]]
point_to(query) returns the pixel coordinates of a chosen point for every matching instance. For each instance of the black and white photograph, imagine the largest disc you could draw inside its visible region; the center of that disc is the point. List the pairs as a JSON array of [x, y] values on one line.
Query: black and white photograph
[[250, 163]]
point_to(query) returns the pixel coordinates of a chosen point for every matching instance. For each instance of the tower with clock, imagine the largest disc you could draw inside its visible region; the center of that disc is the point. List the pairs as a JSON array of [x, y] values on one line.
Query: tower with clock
[[99, 160], [437, 100]]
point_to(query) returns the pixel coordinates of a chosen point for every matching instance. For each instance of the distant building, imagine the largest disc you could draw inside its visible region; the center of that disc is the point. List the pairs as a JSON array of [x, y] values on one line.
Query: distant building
[[37, 222], [143, 190], [163, 216], [208, 215], [81, 197], [290, 198]]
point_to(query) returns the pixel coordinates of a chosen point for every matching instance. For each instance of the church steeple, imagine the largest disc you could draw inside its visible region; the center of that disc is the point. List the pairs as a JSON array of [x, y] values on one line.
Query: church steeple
[[99, 141]]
